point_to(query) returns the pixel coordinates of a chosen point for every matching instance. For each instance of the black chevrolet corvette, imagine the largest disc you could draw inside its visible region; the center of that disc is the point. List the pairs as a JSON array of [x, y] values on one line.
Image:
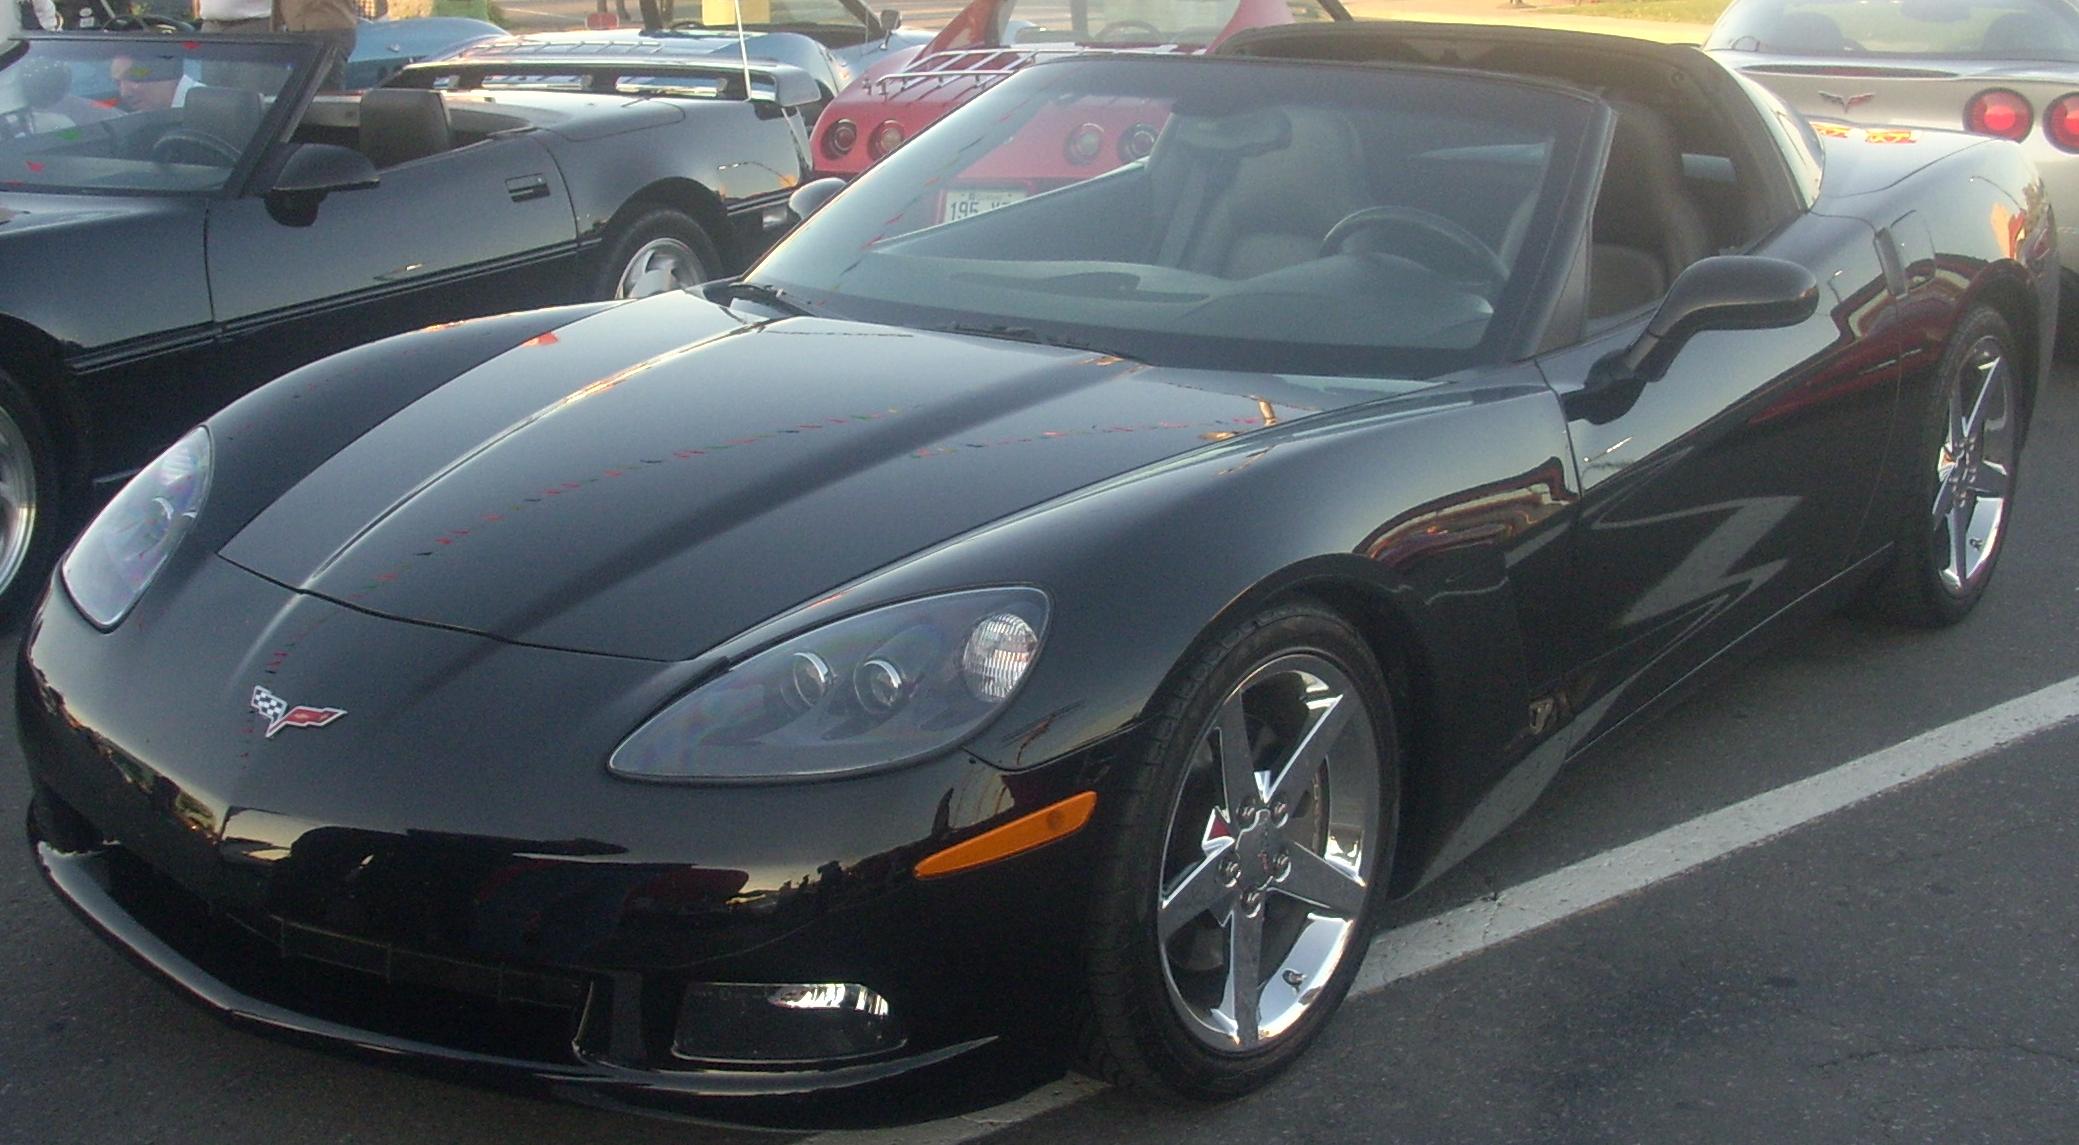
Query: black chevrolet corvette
[[184, 219], [1059, 627]]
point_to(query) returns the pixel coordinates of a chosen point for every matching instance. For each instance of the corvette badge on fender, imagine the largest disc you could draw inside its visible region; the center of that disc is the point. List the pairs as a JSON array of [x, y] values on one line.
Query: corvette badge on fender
[[280, 715]]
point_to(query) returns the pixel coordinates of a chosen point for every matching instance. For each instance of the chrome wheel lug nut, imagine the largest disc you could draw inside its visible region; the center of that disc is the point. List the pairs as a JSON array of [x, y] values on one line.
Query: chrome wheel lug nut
[[1282, 865]]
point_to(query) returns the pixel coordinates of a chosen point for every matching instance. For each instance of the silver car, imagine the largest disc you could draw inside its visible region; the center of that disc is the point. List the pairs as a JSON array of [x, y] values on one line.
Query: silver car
[[1998, 67]]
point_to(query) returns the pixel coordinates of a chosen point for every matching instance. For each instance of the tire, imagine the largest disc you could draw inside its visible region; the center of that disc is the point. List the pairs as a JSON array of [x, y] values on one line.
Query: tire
[[30, 508], [655, 250], [1160, 1012], [2067, 339], [1966, 458]]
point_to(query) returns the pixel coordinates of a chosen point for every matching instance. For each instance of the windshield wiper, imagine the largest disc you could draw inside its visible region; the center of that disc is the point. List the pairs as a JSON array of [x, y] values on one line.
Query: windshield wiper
[[771, 296], [1027, 335]]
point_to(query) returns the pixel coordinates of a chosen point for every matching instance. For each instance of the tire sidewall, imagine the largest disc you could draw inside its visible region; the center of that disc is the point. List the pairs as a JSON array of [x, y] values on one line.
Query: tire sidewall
[[49, 528], [1922, 598], [1170, 1057], [639, 230]]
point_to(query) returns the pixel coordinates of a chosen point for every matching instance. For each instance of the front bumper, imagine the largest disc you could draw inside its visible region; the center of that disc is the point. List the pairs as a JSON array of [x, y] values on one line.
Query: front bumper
[[317, 890], [250, 988]]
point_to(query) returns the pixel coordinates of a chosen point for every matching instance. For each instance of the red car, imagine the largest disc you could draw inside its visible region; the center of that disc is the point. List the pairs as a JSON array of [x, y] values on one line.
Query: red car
[[991, 39]]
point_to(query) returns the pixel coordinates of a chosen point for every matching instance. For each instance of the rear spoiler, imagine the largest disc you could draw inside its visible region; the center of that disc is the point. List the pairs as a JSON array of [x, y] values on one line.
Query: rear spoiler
[[759, 81]]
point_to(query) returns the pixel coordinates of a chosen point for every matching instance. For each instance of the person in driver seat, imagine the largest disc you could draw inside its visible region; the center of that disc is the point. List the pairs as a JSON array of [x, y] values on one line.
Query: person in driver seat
[[149, 83]]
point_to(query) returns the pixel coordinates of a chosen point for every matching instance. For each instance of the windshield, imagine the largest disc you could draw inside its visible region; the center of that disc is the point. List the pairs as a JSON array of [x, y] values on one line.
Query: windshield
[[150, 114], [1136, 21], [1987, 29], [768, 14], [1290, 218]]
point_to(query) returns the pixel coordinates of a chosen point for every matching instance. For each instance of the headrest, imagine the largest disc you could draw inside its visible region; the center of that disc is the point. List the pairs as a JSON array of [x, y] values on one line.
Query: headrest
[[399, 125], [231, 114]]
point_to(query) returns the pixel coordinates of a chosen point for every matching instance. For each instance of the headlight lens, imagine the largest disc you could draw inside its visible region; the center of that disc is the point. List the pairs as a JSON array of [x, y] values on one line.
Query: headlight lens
[[115, 560], [871, 690]]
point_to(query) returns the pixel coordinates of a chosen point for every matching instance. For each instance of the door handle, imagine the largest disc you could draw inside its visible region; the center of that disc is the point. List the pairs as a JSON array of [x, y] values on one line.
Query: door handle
[[525, 187]]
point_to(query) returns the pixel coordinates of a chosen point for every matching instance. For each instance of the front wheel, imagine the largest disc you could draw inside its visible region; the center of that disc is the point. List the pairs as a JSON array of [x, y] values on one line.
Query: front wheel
[[1963, 470], [28, 500], [657, 250], [1236, 895]]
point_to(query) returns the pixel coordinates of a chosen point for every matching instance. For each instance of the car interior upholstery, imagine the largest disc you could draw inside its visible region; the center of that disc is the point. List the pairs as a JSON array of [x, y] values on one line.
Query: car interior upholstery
[[231, 114], [1256, 191], [399, 125], [1646, 228]]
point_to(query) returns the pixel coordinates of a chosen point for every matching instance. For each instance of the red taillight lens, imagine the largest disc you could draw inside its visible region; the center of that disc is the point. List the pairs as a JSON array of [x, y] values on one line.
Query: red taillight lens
[[886, 138], [1084, 144], [1137, 142], [840, 139], [2061, 121], [1999, 112]]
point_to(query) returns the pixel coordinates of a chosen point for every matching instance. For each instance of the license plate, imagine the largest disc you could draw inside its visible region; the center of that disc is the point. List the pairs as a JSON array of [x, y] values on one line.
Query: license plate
[[967, 204]]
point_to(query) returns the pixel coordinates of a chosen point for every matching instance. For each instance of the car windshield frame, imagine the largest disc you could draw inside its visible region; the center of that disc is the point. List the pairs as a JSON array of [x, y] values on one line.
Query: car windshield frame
[[1086, 21], [73, 50], [1742, 26], [840, 246], [860, 17]]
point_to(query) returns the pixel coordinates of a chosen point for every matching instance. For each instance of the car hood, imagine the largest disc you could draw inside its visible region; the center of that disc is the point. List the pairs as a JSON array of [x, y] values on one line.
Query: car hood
[[656, 509], [23, 214]]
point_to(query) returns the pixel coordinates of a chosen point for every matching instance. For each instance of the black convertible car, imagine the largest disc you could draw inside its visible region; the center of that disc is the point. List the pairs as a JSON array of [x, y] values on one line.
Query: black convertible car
[[180, 220], [1058, 627]]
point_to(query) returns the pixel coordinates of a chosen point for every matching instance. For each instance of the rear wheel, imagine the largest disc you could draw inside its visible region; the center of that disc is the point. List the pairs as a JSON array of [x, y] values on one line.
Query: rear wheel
[[656, 250], [28, 500], [1964, 466], [1238, 886]]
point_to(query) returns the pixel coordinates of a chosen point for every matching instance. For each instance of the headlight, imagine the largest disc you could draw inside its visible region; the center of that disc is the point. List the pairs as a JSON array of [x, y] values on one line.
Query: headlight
[[115, 560], [876, 689]]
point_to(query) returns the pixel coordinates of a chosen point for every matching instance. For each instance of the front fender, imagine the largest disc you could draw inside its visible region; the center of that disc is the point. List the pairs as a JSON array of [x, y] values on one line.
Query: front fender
[[1430, 519]]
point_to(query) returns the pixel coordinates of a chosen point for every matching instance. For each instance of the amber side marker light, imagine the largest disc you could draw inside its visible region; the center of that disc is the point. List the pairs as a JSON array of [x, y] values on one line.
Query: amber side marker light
[[1013, 838]]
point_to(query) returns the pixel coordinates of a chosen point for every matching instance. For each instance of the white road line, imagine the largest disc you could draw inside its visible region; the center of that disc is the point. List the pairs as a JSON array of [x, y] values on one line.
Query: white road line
[[1598, 880]]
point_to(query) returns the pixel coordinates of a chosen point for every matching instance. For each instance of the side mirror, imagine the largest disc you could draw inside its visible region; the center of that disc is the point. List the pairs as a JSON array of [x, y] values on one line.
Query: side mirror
[[322, 168], [1724, 292], [890, 20], [312, 171], [809, 198]]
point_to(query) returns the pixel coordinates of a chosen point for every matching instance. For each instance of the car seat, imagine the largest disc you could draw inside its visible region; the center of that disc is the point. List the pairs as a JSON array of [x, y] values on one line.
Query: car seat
[[231, 114], [1255, 191], [1646, 228], [399, 125]]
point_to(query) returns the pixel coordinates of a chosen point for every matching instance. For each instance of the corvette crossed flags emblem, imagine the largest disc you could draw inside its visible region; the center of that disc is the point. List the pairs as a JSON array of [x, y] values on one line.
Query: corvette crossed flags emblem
[[280, 715], [1848, 102]]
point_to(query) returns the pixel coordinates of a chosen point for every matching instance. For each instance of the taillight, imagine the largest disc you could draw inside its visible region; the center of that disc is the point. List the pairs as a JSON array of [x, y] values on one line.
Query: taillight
[[1999, 112], [886, 138], [2061, 121], [839, 140], [1085, 143], [1137, 142]]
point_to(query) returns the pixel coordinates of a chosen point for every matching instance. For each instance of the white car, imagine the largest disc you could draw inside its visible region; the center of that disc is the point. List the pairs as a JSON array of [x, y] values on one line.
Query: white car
[[2008, 68]]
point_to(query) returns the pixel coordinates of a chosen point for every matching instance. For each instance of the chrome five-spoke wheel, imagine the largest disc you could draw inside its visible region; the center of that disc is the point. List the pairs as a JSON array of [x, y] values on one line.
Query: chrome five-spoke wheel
[[1974, 470], [1269, 858], [1249, 834], [1954, 518]]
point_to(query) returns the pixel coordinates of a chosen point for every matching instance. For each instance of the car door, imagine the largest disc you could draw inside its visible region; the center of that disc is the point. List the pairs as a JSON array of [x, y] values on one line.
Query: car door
[[479, 229], [1732, 487]]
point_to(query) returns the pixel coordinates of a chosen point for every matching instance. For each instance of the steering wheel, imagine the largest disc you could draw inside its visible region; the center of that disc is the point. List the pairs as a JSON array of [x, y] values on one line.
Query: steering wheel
[[142, 21], [181, 144], [1123, 26], [1471, 257]]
